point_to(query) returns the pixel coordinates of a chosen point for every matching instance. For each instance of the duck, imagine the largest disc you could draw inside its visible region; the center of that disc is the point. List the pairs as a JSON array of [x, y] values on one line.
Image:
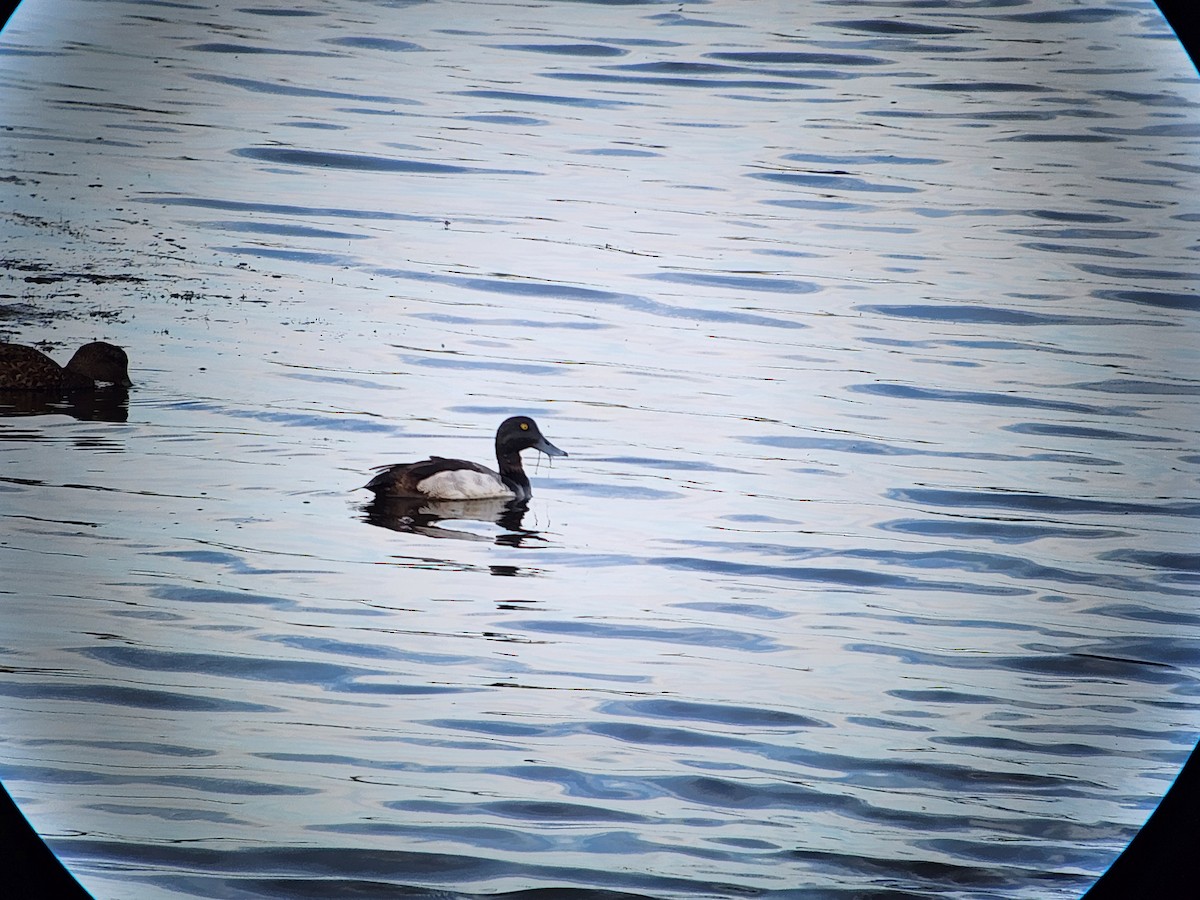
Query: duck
[[439, 478], [25, 368]]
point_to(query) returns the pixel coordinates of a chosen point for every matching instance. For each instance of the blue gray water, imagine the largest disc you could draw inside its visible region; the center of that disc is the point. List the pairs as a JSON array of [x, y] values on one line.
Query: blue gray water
[[871, 331]]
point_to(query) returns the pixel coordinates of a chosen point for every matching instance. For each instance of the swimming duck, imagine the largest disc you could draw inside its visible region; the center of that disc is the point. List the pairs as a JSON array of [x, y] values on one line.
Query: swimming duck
[[457, 479], [28, 369]]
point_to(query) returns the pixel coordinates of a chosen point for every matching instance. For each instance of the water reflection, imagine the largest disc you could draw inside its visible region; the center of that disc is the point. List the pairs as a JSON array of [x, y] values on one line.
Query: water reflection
[[106, 404], [419, 515]]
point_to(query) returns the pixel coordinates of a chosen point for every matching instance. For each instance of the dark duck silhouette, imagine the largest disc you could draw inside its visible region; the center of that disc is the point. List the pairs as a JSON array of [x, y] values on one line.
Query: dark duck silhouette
[[438, 478], [29, 369]]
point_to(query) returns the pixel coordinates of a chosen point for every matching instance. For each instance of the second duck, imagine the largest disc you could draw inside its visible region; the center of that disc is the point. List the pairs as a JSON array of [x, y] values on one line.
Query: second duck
[[439, 478]]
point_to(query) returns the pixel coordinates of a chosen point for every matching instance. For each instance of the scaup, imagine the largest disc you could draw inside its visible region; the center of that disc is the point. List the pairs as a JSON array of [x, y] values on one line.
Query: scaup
[[457, 479], [29, 369]]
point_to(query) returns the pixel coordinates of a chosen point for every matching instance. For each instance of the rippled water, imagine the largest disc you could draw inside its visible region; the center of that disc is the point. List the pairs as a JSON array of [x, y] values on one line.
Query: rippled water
[[870, 330]]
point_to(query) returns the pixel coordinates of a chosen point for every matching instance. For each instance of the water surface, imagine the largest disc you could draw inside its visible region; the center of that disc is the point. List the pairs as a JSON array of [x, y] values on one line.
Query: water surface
[[870, 331]]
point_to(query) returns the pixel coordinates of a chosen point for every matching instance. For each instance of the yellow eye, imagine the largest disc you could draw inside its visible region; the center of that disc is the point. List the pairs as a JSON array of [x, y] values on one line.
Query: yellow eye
[[524, 426]]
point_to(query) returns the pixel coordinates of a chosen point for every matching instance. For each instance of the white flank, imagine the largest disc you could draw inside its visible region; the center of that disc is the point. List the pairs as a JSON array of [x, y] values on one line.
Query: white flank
[[463, 484]]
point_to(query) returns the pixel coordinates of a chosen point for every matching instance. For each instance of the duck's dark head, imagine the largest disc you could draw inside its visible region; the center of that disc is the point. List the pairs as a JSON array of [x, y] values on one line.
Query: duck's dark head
[[522, 433], [102, 362]]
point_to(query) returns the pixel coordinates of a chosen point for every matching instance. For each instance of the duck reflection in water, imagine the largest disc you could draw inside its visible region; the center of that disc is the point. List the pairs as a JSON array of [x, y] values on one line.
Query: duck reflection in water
[[105, 404], [419, 515]]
